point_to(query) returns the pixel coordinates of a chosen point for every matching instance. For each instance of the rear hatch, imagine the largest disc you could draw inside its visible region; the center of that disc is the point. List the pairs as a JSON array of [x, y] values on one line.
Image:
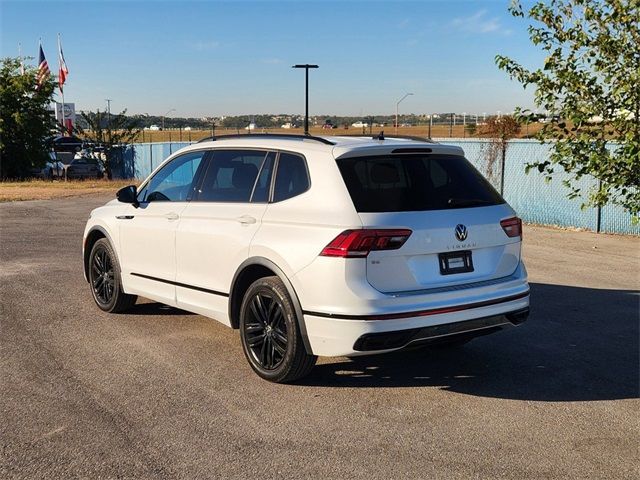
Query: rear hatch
[[453, 212]]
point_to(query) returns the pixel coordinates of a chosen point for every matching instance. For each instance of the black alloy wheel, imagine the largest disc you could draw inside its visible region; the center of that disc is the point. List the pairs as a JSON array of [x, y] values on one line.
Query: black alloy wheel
[[105, 281], [266, 331], [270, 333], [102, 276]]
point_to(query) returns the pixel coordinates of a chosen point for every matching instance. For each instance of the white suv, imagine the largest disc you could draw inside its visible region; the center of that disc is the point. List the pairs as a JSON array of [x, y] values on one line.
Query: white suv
[[315, 246]]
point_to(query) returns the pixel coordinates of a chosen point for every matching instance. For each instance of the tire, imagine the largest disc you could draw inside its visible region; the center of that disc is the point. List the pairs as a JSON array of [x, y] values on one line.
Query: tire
[[270, 335], [105, 281]]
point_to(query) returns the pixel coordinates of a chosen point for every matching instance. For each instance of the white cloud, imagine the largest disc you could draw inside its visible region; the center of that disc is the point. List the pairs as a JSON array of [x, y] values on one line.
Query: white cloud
[[479, 22]]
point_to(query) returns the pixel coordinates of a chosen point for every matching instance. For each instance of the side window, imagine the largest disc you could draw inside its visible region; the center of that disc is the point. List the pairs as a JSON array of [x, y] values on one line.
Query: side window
[[231, 175], [173, 182], [292, 178], [263, 184]]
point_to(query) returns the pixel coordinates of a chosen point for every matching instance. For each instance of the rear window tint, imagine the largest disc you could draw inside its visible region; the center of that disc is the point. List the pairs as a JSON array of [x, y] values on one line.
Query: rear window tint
[[408, 183]]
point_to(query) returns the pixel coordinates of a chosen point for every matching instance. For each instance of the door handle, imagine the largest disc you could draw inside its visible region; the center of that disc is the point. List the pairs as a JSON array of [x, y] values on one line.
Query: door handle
[[171, 216], [246, 219]]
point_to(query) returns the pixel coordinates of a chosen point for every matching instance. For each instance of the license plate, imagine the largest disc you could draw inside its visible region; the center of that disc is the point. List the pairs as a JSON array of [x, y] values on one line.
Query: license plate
[[455, 262]]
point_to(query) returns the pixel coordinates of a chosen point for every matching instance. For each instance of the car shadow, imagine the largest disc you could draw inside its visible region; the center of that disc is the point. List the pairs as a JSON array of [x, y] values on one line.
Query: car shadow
[[579, 344]]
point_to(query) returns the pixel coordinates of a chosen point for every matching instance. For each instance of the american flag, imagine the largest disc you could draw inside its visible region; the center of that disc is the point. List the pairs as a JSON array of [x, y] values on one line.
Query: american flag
[[64, 71], [43, 69]]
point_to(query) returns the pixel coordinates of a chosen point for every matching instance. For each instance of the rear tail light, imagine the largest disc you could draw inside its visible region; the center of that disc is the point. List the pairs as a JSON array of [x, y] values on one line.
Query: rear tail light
[[358, 243], [512, 227]]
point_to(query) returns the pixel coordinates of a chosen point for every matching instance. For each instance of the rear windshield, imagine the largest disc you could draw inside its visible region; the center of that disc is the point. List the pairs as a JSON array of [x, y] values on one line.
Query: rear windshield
[[408, 183]]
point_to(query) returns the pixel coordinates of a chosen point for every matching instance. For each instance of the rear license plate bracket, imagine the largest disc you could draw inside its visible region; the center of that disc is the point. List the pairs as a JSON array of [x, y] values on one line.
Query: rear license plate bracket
[[455, 262]]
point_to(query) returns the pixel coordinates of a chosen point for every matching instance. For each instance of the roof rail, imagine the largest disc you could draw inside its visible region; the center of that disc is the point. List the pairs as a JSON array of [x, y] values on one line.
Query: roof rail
[[291, 136], [382, 136]]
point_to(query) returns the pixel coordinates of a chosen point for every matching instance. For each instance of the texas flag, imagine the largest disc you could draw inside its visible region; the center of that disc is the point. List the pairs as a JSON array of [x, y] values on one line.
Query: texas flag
[[43, 69], [64, 71]]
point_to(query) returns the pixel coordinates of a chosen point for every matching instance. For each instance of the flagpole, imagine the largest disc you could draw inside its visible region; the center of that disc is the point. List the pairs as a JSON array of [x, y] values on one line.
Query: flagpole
[[64, 126]]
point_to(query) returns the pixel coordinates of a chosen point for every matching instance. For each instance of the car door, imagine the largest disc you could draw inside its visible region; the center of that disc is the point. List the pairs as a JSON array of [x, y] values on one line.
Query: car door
[[217, 226], [147, 233]]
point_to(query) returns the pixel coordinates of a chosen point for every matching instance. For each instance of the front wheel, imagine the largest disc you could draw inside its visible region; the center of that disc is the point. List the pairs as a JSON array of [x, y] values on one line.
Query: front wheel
[[270, 335], [105, 281]]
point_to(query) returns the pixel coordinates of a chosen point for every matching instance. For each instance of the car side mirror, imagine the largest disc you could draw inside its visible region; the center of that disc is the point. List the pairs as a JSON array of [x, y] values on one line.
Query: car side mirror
[[128, 194]]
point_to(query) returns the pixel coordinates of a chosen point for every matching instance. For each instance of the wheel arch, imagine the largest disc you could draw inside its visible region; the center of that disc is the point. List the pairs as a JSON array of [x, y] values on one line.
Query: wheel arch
[[96, 233], [248, 272]]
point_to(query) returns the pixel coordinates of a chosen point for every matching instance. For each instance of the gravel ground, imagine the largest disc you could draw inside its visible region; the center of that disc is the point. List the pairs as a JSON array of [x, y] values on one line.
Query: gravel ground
[[160, 393]]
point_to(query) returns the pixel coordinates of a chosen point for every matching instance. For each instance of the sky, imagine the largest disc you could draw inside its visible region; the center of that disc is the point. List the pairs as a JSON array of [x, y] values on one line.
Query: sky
[[213, 58]]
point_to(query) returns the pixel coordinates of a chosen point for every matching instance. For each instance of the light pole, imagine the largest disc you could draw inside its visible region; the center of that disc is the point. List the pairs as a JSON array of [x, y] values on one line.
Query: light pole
[[464, 124], [306, 67], [166, 113], [397, 105], [108, 100]]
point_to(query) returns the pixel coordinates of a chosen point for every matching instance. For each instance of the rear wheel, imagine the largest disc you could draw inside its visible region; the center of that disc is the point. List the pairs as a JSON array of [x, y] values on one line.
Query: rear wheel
[[105, 281], [270, 334]]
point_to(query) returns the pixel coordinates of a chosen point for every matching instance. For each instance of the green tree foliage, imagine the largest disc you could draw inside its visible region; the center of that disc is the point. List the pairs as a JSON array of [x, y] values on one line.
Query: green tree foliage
[[590, 79], [111, 131], [25, 122]]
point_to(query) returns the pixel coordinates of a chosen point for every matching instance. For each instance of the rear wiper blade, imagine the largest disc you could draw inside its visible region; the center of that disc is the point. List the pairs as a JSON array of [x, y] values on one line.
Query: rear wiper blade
[[459, 202]]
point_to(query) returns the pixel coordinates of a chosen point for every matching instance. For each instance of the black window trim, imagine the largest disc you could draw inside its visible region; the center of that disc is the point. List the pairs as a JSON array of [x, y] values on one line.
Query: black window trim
[[276, 162], [255, 183], [210, 158]]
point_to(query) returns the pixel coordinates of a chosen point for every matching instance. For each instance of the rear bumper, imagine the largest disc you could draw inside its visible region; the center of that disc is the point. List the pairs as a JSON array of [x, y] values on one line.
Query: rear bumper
[[468, 329], [335, 336]]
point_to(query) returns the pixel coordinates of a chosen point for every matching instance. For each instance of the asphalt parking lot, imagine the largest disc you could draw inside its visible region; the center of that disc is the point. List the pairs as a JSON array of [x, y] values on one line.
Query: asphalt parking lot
[[160, 393]]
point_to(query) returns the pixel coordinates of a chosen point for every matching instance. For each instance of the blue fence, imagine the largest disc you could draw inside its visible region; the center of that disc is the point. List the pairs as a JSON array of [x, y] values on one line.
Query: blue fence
[[535, 200]]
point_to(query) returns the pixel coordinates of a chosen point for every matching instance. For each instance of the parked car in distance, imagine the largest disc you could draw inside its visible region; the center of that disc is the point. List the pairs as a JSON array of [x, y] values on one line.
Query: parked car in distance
[[84, 167], [315, 246], [61, 143]]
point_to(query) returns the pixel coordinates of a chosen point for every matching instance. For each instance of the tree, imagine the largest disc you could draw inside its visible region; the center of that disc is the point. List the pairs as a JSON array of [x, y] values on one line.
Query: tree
[[111, 131], [25, 121], [499, 130], [590, 85]]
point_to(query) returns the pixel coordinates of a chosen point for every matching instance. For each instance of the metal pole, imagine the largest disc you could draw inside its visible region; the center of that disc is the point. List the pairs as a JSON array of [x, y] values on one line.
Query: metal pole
[[397, 105], [108, 100], [504, 159], [397, 118], [464, 124], [599, 211], [306, 67], [306, 101]]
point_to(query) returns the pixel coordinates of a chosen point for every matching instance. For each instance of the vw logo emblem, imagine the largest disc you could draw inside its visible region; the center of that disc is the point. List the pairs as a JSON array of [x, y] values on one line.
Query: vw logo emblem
[[461, 232]]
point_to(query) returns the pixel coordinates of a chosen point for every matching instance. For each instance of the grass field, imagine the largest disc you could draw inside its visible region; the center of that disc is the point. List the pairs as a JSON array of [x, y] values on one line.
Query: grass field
[[44, 189], [437, 131]]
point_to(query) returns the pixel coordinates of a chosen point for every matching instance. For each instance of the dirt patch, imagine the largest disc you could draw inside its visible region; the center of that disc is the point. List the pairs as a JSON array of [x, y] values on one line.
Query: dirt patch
[[45, 190]]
